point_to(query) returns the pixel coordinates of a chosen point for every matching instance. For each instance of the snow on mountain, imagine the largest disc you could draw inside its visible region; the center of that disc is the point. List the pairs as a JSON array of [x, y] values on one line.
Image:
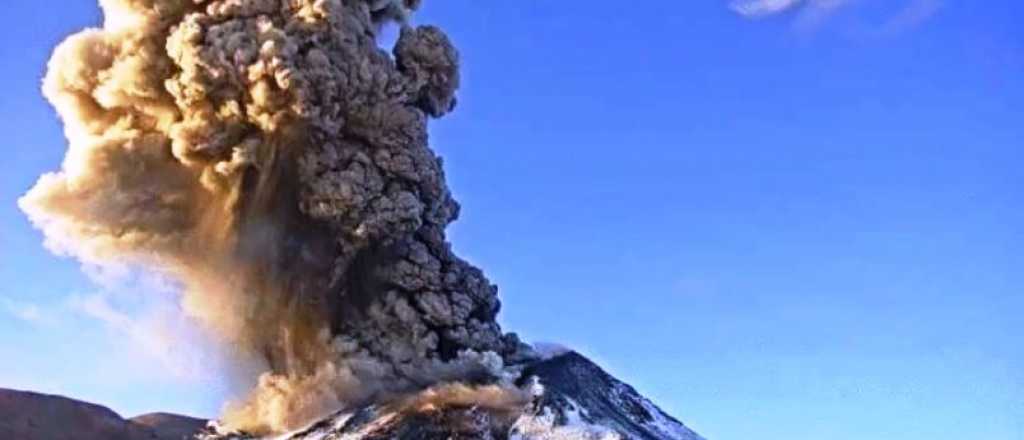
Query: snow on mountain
[[573, 399]]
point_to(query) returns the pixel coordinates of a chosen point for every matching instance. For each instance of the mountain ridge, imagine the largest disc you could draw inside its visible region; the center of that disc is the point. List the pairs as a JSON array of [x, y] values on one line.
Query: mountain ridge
[[29, 415]]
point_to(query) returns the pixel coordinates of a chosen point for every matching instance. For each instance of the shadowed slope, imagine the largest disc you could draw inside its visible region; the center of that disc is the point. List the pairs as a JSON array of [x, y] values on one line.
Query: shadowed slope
[[34, 416]]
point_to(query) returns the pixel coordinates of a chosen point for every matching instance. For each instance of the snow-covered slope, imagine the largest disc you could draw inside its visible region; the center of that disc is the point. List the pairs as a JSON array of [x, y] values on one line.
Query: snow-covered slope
[[573, 399], [579, 392]]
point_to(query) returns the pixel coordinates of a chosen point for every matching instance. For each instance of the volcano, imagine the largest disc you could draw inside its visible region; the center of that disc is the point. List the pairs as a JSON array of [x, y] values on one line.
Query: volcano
[[272, 159], [570, 398]]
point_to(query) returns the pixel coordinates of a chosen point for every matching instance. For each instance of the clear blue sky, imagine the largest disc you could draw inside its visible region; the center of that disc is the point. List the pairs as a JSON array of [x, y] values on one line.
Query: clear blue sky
[[806, 225]]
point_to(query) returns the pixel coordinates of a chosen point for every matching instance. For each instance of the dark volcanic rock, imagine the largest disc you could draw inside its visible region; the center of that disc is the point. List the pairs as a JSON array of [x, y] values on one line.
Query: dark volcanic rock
[[33, 416]]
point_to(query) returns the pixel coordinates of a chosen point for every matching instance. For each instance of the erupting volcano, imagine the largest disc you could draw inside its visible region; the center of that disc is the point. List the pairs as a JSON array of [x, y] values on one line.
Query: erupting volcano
[[273, 159]]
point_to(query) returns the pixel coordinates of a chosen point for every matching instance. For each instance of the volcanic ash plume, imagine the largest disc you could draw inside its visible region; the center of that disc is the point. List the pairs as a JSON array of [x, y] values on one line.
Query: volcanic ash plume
[[272, 159]]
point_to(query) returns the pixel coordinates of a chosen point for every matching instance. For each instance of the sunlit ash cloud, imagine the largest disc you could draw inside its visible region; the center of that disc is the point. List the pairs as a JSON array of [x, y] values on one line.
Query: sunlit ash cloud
[[272, 162]]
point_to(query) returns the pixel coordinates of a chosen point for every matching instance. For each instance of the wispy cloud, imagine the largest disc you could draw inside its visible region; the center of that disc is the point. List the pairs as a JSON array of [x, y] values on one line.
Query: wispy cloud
[[763, 8], [811, 14], [912, 15], [760, 8], [28, 312], [156, 329], [97, 306]]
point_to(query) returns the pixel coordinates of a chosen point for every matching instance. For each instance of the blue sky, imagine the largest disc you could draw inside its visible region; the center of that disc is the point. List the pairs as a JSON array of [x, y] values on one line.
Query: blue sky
[[803, 223]]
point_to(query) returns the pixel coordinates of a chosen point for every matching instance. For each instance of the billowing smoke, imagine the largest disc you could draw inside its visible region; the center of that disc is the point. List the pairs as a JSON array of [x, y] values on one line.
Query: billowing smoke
[[271, 158]]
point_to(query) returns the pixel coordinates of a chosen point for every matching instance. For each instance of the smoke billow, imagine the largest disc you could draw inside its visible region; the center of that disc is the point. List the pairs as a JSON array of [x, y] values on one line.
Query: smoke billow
[[271, 158]]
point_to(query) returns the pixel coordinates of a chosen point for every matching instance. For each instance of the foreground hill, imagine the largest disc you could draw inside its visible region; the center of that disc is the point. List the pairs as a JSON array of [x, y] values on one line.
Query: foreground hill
[[34, 416]]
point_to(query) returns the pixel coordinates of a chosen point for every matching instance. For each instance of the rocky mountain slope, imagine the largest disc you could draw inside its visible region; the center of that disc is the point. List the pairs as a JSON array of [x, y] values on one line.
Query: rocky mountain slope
[[168, 426], [34, 416]]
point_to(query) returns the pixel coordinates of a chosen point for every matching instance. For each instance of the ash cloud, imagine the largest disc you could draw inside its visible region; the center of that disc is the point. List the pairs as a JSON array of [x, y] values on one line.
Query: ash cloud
[[270, 158]]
